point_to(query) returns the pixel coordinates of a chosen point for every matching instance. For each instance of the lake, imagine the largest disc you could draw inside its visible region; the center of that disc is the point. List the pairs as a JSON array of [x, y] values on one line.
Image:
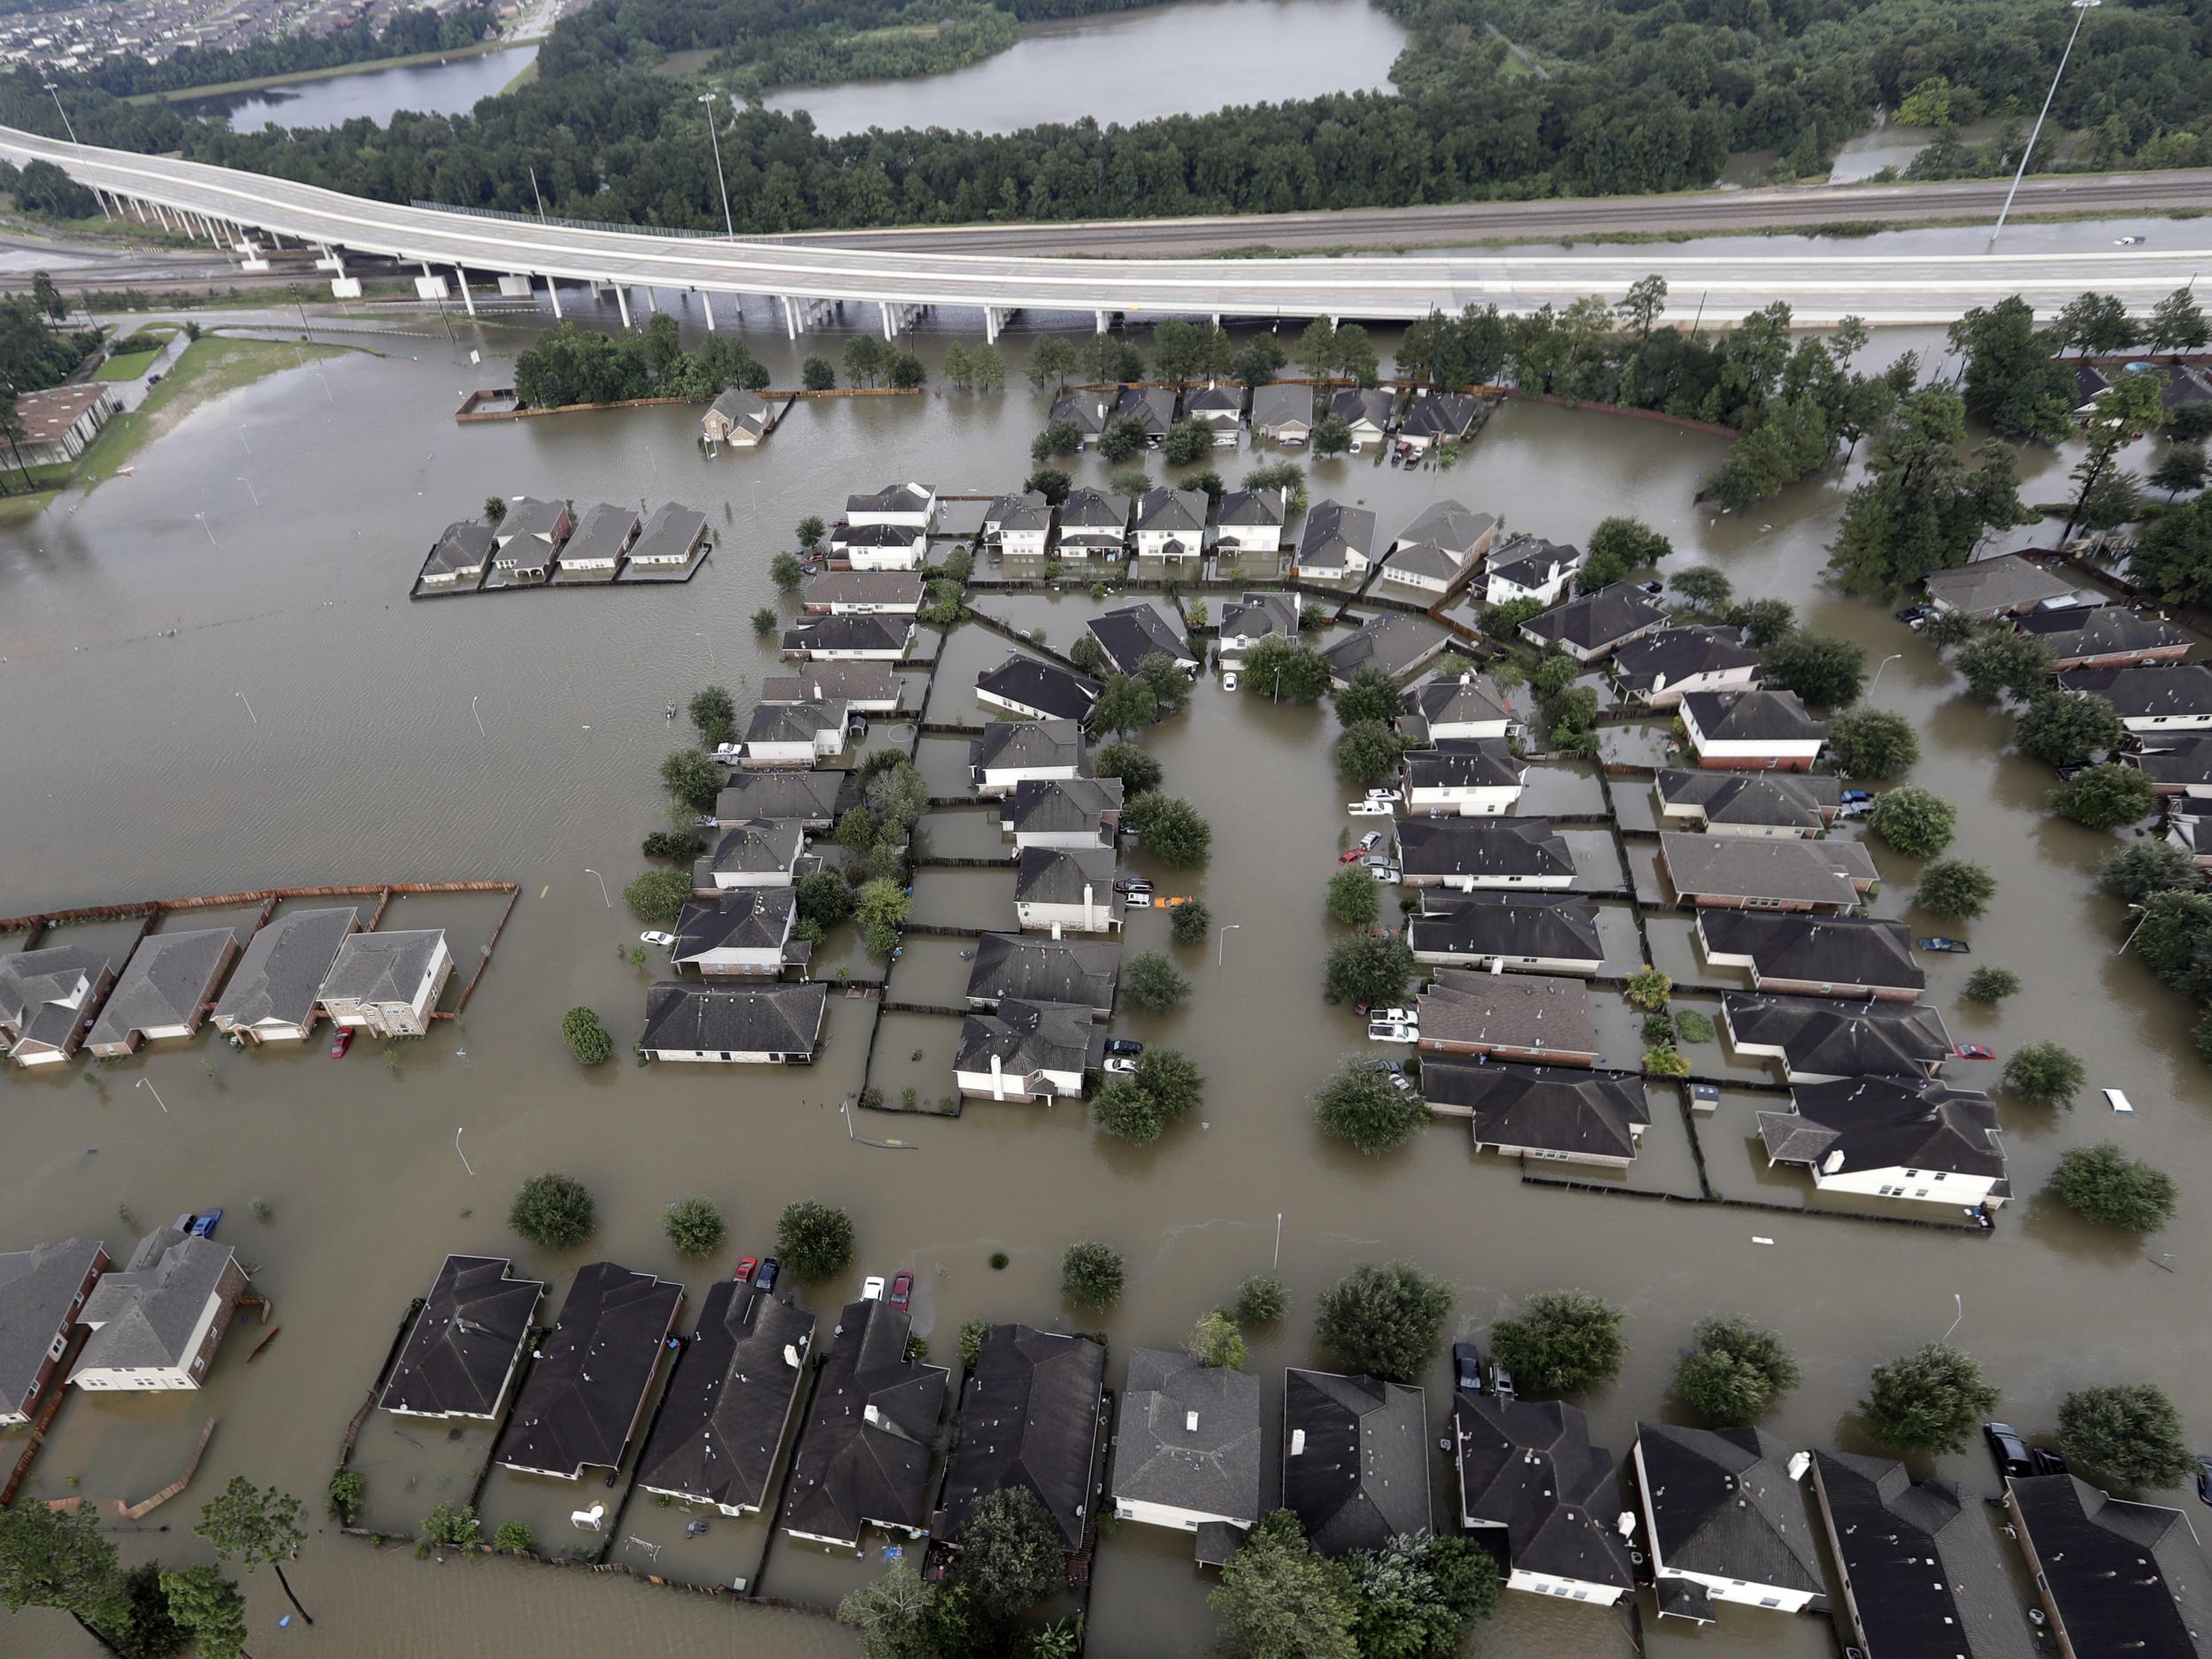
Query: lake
[[452, 88], [1132, 66]]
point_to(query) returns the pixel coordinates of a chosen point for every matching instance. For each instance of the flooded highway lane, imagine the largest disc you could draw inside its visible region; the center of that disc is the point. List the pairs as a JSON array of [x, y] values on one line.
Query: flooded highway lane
[[130, 769]]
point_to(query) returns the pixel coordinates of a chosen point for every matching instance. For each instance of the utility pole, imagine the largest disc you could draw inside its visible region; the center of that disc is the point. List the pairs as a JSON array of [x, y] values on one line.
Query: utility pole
[[729, 223], [2082, 9]]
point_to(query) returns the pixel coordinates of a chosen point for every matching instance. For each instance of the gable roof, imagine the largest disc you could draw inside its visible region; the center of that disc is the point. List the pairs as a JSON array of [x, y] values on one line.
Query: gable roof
[[1027, 745], [1058, 692], [164, 984], [795, 722], [2147, 690], [1672, 655], [1153, 406], [147, 1313], [1426, 559], [1750, 867], [771, 1017], [1464, 763], [869, 682], [1483, 845], [2100, 631], [1031, 969], [1530, 561], [1927, 1579], [1023, 510], [673, 529], [463, 1345], [1029, 1418], [465, 546], [1048, 805], [1374, 404], [1214, 397], [1089, 509], [2179, 759], [1355, 1460], [1451, 525], [1256, 615], [864, 587], [864, 1453], [754, 918], [283, 970], [528, 516], [905, 537], [751, 847], [382, 967], [1439, 415], [1087, 409], [1818, 949], [1279, 405], [2007, 582], [1752, 717], [1507, 1011], [853, 632], [1886, 1123], [1467, 700], [1723, 1503], [1182, 510], [1841, 1039], [1160, 1457], [893, 498], [582, 1396], [1334, 530], [742, 408], [38, 1290], [1610, 614], [1252, 507], [2126, 1577], [1528, 1466], [1026, 1037], [1133, 632], [1391, 640], [1793, 800], [1560, 1108], [722, 1418], [1058, 875], [805, 797], [602, 531], [1555, 926]]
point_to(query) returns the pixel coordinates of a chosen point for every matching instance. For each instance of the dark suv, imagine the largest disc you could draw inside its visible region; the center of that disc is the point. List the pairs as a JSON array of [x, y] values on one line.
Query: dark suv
[[2008, 1451]]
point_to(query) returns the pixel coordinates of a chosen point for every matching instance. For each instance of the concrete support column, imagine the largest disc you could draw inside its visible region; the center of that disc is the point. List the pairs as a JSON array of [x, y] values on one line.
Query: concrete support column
[[1100, 318], [990, 326], [622, 302], [137, 207], [553, 293], [467, 298], [790, 318], [651, 304], [890, 329], [706, 304]]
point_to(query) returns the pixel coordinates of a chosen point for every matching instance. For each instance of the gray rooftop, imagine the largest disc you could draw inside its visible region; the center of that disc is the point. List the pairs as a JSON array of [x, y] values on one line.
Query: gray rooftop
[[1209, 1467], [809, 797], [465, 1342], [1058, 875], [1746, 867], [2007, 582], [383, 967], [670, 531], [1724, 1504], [768, 1017], [1276, 405], [33, 985], [1450, 525], [38, 1287], [1355, 1460], [1034, 969], [282, 974], [147, 1312], [603, 531], [1026, 745], [1882, 1123], [1026, 1037]]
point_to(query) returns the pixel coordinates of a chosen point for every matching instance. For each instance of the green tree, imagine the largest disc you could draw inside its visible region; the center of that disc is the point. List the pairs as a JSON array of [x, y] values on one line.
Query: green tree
[[1383, 1319], [2106, 797], [554, 1211], [1419, 1595], [587, 1038], [2103, 1184], [1215, 1341], [1927, 1401], [1124, 705], [1823, 670], [1369, 753], [814, 1240], [2001, 661], [147, 1630], [1258, 360], [1278, 1600], [1920, 508], [2066, 727], [60, 1559], [513, 1538], [1563, 1342], [2135, 872], [1365, 1106], [1051, 360], [347, 1487], [1332, 435], [1170, 828], [209, 1605], [1990, 984], [2182, 467], [865, 356], [1917, 822], [713, 711], [1087, 655], [1646, 300], [2045, 1074], [2097, 322], [1060, 437], [1187, 442], [2012, 383], [2172, 558], [1190, 923], [1261, 1299], [2176, 323], [822, 897], [2122, 412], [659, 895], [1764, 622], [1370, 968], [2129, 1433], [1277, 668], [1648, 989], [905, 371], [46, 295], [880, 914], [1092, 1275], [765, 623], [1954, 888], [784, 570], [1137, 770], [1122, 440], [694, 1226], [692, 777], [446, 1527], [1707, 590], [817, 375], [253, 1526], [902, 1616], [1371, 693], [1873, 744], [1154, 984], [1619, 546], [1007, 1552], [1734, 1371], [1352, 899]]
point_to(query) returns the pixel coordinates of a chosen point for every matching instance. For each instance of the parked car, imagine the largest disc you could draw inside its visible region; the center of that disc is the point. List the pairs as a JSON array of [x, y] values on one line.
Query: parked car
[[1858, 797], [1956, 947], [901, 1290], [340, 1040], [200, 1226], [2048, 1460], [769, 1269], [728, 754], [1976, 1051], [1390, 1030], [1502, 1381], [653, 937], [2204, 1477], [1384, 872], [1229, 680], [1913, 613], [1854, 810], [871, 1288], [1388, 1065], [1120, 1066], [1123, 1045], [746, 1266], [1382, 795], [1396, 1015], [1371, 841], [1352, 854], [1132, 884], [2007, 1451], [1467, 1368], [1368, 809]]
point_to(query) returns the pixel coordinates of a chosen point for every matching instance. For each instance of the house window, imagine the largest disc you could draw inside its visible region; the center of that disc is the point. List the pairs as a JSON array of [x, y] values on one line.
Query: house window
[[1770, 1601], [61, 1341]]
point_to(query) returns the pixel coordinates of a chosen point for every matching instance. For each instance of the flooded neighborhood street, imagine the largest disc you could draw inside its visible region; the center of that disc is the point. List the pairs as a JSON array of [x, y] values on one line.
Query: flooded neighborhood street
[[215, 683]]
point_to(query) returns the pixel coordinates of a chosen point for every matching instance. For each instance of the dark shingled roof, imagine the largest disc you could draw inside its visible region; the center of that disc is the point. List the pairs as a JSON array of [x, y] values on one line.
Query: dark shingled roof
[[1752, 717], [1670, 656], [1213, 1468], [2007, 582], [1507, 1011], [1823, 1036], [853, 632], [1026, 745], [1393, 641], [1053, 692], [2178, 761], [2126, 1577], [1465, 763], [167, 976], [1451, 525], [865, 1454], [1792, 800], [864, 587], [1183, 511], [755, 846], [1372, 403], [147, 1312], [1509, 924], [1355, 1460], [722, 1419], [1252, 507], [1334, 530], [750, 918], [464, 1344], [1026, 509], [769, 1018], [1597, 620], [1723, 1503], [807, 797], [908, 498], [1466, 700], [1926, 1575], [283, 970], [1558, 1107], [1032, 969], [1883, 1123], [869, 682], [1529, 1466], [1840, 951], [1482, 847], [1256, 615], [1058, 875], [1439, 415], [2100, 631], [38, 1289], [1043, 806], [465, 546], [795, 722], [1528, 561], [1095, 510], [2148, 689], [1133, 633], [1029, 1038], [602, 532], [1029, 1418], [582, 1396]]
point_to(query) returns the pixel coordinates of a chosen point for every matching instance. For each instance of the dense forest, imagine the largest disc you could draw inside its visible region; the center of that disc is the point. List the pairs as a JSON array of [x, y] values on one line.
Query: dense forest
[[414, 30], [1641, 97]]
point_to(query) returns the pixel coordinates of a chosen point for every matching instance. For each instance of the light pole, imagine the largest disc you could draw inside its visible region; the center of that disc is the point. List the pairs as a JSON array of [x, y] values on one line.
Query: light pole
[[251, 491], [465, 1156], [251, 715], [602, 885], [155, 1092], [241, 438], [1954, 1325], [212, 542], [729, 224], [1895, 656], [2143, 916], [479, 718], [1221, 946], [2082, 9], [1276, 1265], [56, 89]]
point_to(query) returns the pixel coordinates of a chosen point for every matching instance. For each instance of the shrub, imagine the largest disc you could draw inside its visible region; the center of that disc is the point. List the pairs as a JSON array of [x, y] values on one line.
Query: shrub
[[659, 895], [1352, 898], [694, 1226], [446, 1527], [1170, 828], [1189, 922], [347, 1487], [1372, 967], [1261, 1299], [1383, 1319], [1164, 1088], [1371, 695], [514, 1538], [692, 777], [970, 1340], [1917, 822], [2002, 661], [1136, 769], [1954, 888], [1694, 1026], [765, 622], [1648, 989], [2102, 1184], [1990, 984], [1092, 1275], [2045, 1074], [1928, 1401], [683, 845], [815, 1240], [587, 1039], [2129, 1432], [2065, 729], [1734, 1371], [822, 897], [2106, 797], [1154, 984], [880, 913], [1369, 753], [1360, 1103], [1664, 1059], [1565, 1341], [2135, 872], [1874, 743], [1215, 1341], [553, 1211]]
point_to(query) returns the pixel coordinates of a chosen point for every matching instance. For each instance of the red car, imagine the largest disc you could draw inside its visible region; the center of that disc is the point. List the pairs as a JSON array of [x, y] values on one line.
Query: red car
[[1351, 855], [745, 1266], [902, 1289], [1976, 1051], [340, 1040]]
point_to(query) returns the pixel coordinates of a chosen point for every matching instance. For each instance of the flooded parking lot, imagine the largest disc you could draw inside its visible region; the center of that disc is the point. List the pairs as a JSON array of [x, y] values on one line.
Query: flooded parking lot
[[133, 769]]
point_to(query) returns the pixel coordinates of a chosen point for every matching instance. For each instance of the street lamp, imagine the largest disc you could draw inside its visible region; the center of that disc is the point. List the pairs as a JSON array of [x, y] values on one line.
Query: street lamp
[[729, 224], [2144, 917], [155, 1092], [2082, 8], [55, 89], [602, 885], [251, 491], [1222, 943], [465, 1156], [1895, 656], [1960, 1301]]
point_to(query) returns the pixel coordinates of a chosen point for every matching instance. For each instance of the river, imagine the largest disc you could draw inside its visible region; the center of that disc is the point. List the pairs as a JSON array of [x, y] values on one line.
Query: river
[[210, 703], [1128, 67], [452, 88]]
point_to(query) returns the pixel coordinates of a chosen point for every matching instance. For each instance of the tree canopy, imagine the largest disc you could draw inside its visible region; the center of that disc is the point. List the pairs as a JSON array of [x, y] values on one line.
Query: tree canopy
[[1383, 1319]]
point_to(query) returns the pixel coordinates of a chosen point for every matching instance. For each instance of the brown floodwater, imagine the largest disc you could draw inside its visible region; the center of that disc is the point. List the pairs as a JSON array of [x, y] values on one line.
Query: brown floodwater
[[205, 695]]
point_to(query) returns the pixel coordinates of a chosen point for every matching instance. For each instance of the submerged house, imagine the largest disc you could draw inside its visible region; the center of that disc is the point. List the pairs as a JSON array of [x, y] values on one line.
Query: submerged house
[[1023, 1051], [777, 1023], [1188, 1449], [156, 1324], [1530, 1479], [1568, 1114], [863, 1456], [1033, 1419], [738, 417], [730, 1402], [41, 1290], [387, 982], [48, 999], [1724, 1521], [1355, 1466], [587, 1392], [746, 935], [464, 1347], [276, 992], [1893, 1137]]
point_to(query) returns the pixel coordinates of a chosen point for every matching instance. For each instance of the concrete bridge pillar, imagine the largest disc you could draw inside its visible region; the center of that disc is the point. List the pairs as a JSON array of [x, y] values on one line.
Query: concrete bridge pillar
[[706, 304], [467, 298], [991, 325], [553, 293], [1100, 318], [790, 321], [622, 302], [651, 304], [890, 328]]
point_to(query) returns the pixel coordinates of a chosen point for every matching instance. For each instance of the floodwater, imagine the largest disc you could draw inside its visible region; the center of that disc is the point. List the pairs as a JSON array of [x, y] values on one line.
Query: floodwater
[[452, 88], [212, 704], [1122, 68]]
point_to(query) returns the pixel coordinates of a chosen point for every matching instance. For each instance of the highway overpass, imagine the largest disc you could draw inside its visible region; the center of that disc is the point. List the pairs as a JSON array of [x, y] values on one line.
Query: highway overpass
[[241, 211]]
